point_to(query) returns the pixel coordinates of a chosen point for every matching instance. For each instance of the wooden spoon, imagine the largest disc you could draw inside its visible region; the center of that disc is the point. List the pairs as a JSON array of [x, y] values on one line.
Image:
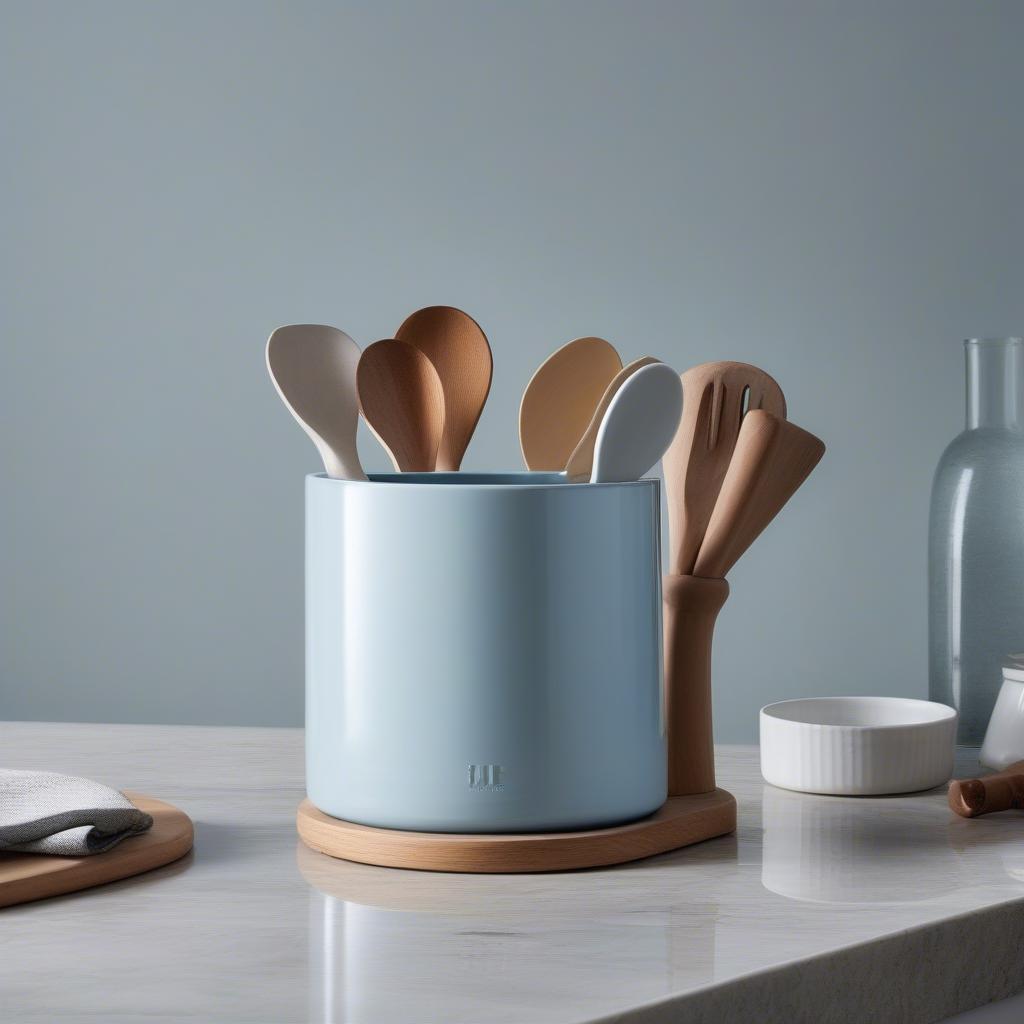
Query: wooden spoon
[[559, 402], [580, 463], [640, 422], [402, 401], [313, 368], [1001, 791], [771, 460], [716, 395], [455, 344]]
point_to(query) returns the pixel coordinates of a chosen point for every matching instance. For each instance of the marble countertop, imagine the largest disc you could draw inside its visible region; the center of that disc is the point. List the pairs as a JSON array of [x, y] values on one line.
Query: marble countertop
[[818, 909]]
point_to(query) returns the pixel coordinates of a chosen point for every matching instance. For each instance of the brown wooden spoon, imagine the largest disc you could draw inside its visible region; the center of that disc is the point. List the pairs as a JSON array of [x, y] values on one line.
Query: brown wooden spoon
[[455, 344], [401, 399]]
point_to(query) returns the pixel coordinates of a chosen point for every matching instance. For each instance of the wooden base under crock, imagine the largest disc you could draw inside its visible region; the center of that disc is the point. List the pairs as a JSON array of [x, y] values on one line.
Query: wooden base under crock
[[681, 821]]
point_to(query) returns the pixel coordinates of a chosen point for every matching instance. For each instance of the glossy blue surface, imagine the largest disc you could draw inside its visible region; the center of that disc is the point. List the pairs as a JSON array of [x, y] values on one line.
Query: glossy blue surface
[[483, 652]]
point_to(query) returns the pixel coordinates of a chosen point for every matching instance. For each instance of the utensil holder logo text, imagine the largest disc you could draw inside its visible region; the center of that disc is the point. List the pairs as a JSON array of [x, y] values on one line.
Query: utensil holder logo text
[[486, 777]]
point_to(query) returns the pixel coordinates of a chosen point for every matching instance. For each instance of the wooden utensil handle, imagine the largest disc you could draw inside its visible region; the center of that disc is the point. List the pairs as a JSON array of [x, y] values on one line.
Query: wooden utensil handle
[[691, 605], [999, 792]]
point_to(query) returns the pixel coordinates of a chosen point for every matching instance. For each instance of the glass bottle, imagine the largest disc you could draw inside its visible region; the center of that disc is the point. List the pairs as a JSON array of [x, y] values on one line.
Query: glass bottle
[[976, 539]]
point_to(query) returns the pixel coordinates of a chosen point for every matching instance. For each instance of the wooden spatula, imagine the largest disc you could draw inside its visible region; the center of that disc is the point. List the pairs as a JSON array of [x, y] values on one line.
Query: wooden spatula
[[560, 400], [402, 401], [771, 460], [455, 344], [580, 464], [715, 397]]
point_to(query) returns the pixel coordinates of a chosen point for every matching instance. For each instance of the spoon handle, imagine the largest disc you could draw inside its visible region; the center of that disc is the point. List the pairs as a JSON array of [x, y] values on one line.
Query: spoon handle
[[1002, 791], [691, 605]]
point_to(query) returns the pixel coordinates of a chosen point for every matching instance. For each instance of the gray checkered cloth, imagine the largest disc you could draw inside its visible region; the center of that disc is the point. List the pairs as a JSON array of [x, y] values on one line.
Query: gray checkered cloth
[[42, 812]]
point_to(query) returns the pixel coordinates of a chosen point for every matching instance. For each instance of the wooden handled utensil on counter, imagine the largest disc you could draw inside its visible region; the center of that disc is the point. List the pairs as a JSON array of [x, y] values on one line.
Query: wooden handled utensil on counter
[[732, 466], [1001, 791]]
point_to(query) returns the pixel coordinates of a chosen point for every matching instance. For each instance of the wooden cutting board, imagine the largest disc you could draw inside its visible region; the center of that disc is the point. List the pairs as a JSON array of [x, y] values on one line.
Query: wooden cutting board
[[34, 876]]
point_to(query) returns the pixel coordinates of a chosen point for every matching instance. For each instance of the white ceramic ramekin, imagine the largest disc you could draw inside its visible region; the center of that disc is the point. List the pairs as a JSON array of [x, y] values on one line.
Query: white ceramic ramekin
[[857, 746]]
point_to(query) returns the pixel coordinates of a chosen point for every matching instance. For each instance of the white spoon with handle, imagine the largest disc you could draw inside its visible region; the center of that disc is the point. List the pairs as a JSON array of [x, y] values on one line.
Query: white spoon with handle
[[313, 368], [639, 424]]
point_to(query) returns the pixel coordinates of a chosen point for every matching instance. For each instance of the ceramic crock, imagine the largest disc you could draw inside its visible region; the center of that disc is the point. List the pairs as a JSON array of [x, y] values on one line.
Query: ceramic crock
[[483, 651]]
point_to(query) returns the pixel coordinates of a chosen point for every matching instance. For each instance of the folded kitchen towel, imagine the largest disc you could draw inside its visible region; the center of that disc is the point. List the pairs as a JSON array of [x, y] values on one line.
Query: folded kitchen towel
[[42, 812]]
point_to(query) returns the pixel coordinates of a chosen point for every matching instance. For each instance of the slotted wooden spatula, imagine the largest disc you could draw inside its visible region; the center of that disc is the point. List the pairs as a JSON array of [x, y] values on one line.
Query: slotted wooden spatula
[[715, 397], [771, 460]]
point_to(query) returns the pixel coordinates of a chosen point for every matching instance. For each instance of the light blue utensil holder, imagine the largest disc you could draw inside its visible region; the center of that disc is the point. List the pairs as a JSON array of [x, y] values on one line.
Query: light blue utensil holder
[[483, 651]]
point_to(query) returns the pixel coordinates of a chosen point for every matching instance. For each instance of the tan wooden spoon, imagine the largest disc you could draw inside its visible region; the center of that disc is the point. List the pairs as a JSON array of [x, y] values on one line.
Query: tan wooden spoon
[[402, 401], [559, 402], [455, 344], [580, 464], [715, 397], [313, 368], [771, 460]]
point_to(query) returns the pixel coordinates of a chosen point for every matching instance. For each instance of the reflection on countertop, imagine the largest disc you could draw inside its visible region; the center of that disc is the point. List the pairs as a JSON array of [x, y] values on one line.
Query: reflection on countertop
[[693, 918], [803, 911]]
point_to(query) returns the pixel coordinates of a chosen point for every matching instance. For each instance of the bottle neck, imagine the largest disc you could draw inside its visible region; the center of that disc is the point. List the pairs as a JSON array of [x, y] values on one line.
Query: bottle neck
[[995, 383]]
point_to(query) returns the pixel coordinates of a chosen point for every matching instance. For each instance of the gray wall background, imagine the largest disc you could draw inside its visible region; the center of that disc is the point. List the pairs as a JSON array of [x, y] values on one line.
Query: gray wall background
[[829, 189]]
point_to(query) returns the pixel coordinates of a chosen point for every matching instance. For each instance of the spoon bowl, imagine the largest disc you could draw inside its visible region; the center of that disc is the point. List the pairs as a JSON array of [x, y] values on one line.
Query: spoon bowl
[[402, 401], [580, 463], [639, 424], [559, 402], [313, 369], [458, 348]]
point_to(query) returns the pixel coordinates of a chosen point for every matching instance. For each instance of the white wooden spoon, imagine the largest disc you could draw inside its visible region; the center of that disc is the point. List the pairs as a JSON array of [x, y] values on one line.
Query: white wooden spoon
[[580, 465], [313, 368], [639, 424]]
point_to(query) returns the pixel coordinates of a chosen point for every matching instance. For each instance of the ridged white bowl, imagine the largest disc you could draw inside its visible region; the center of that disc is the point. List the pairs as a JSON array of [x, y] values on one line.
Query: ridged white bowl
[[857, 746]]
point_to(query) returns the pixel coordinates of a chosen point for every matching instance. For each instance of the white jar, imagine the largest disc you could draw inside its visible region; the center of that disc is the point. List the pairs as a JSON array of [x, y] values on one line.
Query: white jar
[[1004, 738]]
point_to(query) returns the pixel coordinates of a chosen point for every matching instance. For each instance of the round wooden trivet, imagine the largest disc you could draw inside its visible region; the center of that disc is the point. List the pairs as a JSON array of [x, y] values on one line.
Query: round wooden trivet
[[35, 876], [681, 821]]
